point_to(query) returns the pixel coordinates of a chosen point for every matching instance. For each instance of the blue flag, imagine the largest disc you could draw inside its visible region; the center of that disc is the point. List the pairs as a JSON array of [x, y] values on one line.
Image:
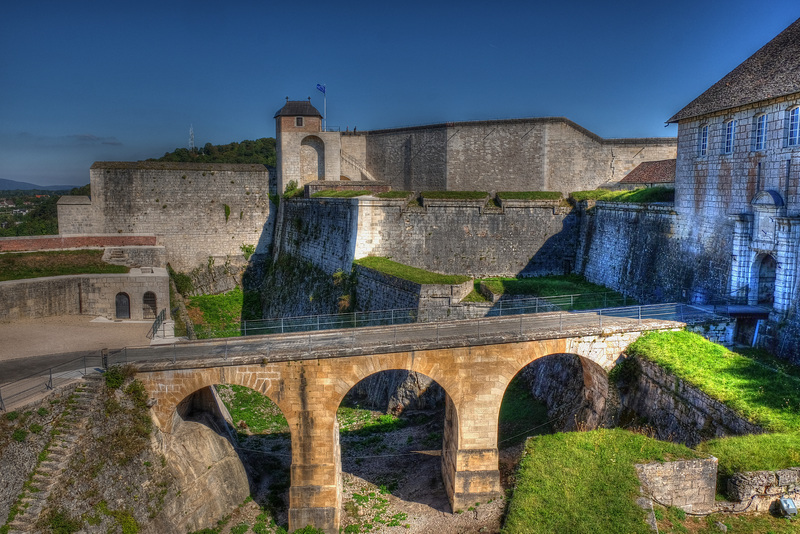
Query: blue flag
[[321, 88]]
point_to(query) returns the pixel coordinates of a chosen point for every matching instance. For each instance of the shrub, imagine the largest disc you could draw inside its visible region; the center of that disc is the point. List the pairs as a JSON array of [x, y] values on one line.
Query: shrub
[[19, 435], [116, 375], [12, 416], [183, 282]]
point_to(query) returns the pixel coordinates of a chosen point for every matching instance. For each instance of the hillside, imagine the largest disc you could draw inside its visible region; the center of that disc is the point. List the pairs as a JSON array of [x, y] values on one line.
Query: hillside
[[259, 151], [13, 185]]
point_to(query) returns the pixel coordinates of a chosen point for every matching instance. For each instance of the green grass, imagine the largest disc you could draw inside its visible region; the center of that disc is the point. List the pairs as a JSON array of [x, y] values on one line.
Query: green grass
[[455, 195], [584, 482], [521, 415], [768, 398], [394, 194], [260, 414], [529, 195], [221, 315], [644, 195], [23, 265], [555, 285], [329, 193], [760, 452], [406, 272]]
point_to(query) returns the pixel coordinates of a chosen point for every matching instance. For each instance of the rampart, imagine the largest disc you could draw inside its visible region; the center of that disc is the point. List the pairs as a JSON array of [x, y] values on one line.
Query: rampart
[[196, 210], [446, 236], [537, 154]]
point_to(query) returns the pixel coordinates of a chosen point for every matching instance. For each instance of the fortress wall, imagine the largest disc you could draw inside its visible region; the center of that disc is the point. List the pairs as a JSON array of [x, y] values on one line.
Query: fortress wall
[[183, 205], [322, 231], [81, 295], [492, 156], [648, 252], [452, 237], [412, 159]]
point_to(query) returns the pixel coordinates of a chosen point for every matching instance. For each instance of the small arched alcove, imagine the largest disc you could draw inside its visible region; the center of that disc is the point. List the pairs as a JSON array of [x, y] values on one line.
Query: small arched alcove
[[312, 159], [122, 305], [393, 426], [149, 305]]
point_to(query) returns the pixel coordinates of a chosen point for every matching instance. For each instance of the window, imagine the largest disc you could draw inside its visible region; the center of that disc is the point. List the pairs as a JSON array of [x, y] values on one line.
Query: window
[[794, 126], [703, 144], [298, 121], [730, 135], [760, 140]]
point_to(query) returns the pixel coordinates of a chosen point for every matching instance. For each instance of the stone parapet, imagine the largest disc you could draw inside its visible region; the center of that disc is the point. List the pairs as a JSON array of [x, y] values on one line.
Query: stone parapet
[[686, 484], [52, 242], [761, 489]]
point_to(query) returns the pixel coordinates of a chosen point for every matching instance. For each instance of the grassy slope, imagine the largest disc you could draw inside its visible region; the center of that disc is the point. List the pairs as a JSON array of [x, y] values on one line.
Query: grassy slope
[[23, 265], [221, 315], [406, 272], [763, 395], [584, 482], [645, 195]]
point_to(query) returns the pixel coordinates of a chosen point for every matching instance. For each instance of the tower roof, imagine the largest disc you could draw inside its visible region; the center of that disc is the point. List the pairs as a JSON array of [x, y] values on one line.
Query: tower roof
[[771, 72], [298, 108]]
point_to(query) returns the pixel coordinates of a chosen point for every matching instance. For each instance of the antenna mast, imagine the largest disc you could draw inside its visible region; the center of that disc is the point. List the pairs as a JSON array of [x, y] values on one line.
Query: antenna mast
[[191, 137]]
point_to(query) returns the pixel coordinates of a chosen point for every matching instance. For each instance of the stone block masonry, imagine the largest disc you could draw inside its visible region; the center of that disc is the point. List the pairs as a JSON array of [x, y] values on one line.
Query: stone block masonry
[[379, 291], [762, 489], [196, 210], [88, 294], [688, 484]]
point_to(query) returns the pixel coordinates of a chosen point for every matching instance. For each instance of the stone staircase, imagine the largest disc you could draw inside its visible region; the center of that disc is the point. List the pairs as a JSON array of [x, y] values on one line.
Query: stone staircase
[[347, 158], [69, 429], [116, 256]]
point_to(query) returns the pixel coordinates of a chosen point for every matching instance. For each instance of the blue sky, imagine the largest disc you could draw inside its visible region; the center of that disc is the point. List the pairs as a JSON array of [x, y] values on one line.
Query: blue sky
[[85, 81]]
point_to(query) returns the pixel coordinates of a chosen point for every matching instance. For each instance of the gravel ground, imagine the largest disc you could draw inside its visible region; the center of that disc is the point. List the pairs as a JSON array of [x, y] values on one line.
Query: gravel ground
[[71, 333]]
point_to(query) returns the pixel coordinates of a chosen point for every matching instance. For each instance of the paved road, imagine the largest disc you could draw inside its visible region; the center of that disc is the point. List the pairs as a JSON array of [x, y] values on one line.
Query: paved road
[[63, 367]]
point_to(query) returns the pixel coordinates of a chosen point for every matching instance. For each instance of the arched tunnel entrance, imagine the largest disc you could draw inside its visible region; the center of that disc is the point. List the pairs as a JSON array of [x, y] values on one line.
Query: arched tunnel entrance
[[554, 393], [392, 430]]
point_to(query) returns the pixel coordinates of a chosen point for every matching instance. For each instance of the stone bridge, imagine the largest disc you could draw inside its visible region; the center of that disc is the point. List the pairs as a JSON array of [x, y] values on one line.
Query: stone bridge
[[472, 367]]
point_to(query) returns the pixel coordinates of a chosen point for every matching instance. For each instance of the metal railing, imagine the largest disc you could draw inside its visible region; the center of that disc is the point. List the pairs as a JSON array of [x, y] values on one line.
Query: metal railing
[[477, 310], [414, 336], [513, 324], [160, 318], [47, 379]]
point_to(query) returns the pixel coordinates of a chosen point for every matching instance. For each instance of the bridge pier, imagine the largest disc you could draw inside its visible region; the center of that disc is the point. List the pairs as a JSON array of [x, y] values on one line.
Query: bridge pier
[[470, 474], [315, 496]]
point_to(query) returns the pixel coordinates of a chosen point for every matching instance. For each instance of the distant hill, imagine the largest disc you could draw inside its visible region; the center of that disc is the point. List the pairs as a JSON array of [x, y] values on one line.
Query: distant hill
[[13, 185]]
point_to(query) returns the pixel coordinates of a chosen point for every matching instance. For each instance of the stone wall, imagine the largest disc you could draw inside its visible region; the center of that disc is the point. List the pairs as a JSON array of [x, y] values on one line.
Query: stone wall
[[136, 256], [649, 252], [196, 210], [677, 411], [686, 484], [465, 237], [379, 291], [762, 489], [503, 155], [82, 294]]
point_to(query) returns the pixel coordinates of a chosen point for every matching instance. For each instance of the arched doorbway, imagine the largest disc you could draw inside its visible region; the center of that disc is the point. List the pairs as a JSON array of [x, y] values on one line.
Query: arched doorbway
[[312, 159], [149, 305], [123, 306], [766, 266]]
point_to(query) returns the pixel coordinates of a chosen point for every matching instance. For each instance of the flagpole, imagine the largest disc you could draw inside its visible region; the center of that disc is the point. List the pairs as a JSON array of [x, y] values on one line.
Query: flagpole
[[325, 109]]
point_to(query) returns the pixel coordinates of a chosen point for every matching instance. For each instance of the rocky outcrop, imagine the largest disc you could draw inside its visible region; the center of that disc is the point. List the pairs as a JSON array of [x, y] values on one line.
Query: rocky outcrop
[[397, 391], [210, 479], [576, 391]]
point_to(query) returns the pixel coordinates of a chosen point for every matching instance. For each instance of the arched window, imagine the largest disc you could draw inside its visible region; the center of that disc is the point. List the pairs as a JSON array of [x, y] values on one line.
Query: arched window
[[794, 126], [123, 306], [760, 132], [149, 305]]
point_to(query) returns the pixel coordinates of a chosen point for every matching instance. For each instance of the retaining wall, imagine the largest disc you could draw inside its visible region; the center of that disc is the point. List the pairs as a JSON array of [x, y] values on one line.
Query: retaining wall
[[686, 484], [762, 489], [677, 411], [379, 291], [89, 294], [195, 210]]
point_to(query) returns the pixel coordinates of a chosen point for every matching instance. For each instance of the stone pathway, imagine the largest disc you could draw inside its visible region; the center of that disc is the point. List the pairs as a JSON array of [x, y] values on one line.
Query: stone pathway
[[67, 432]]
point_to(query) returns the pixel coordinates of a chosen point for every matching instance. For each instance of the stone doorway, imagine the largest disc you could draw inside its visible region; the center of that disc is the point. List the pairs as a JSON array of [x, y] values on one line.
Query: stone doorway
[[149, 305], [766, 280], [123, 306]]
